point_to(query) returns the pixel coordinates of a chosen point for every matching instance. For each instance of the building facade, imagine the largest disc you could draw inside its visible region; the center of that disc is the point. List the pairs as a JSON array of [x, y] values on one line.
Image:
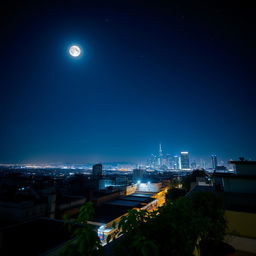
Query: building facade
[[214, 162], [184, 161]]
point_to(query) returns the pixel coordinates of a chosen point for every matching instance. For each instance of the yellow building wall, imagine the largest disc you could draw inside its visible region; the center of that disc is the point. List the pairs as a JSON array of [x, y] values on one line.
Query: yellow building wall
[[160, 196], [241, 223]]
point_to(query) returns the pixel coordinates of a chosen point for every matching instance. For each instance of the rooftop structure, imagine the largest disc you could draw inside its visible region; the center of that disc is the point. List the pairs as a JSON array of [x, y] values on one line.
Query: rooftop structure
[[244, 167]]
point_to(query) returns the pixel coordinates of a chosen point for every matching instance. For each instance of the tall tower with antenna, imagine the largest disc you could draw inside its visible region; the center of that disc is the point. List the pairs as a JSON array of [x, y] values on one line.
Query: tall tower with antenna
[[160, 156], [160, 150]]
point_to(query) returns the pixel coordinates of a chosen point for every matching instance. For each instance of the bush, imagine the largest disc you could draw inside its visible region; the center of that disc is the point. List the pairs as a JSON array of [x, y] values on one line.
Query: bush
[[85, 240], [175, 193]]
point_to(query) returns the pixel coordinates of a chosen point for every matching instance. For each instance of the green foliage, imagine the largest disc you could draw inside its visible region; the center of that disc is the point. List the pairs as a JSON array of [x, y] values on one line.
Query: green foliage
[[86, 213], [179, 228], [134, 226], [85, 240], [176, 229], [209, 209], [175, 193], [174, 182]]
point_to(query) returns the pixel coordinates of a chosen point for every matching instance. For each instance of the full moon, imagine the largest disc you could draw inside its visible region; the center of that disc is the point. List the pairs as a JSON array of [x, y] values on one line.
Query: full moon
[[74, 51]]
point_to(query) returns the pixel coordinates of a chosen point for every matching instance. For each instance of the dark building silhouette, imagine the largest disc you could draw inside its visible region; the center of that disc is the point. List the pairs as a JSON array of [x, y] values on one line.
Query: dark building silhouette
[[137, 175], [97, 170]]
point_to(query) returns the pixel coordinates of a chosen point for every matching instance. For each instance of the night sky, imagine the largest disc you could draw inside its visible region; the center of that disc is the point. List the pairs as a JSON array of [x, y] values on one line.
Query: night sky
[[181, 73]]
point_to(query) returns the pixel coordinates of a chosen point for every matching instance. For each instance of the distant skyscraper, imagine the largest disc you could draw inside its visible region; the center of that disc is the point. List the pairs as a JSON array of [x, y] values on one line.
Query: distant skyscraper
[[97, 170], [168, 161], [160, 150], [184, 161], [151, 161], [137, 175], [214, 162], [176, 165], [193, 165], [202, 164], [160, 156]]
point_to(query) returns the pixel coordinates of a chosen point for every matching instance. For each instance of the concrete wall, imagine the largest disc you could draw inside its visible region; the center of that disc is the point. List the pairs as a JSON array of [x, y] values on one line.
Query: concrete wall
[[243, 244], [243, 169], [71, 204], [149, 187], [130, 189], [239, 185], [241, 223], [22, 211]]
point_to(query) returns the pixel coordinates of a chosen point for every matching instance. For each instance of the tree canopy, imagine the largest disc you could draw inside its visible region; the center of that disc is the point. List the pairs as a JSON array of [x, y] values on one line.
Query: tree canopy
[[177, 228]]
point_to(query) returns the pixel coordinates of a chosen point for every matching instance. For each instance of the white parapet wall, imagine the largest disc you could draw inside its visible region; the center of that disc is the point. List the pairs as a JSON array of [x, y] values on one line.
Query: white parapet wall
[[149, 187], [243, 244]]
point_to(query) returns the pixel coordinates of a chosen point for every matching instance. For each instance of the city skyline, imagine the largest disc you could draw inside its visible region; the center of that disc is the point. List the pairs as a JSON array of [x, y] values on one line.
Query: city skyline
[[159, 157], [104, 158]]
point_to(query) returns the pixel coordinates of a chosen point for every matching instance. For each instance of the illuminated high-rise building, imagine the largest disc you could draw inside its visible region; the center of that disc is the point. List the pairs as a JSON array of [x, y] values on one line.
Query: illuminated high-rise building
[[202, 164], [176, 165], [193, 165], [160, 156], [184, 161], [160, 150], [214, 162], [168, 161]]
